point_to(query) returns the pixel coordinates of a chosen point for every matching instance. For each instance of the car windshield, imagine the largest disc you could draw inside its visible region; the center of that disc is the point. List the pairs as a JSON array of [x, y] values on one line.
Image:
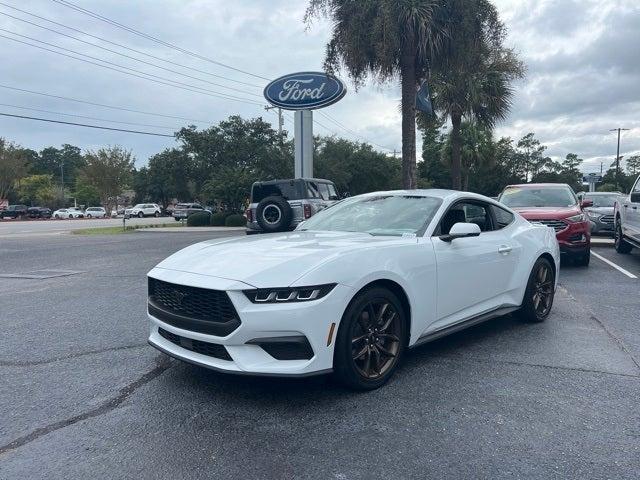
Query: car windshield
[[538, 197], [377, 215], [602, 200]]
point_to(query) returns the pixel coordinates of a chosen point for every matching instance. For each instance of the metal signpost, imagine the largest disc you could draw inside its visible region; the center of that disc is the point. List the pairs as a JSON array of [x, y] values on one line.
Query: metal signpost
[[304, 92]]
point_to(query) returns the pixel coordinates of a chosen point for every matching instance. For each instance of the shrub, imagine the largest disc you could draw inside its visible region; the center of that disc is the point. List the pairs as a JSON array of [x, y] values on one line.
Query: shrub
[[218, 218], [235, 220], [199, 219]]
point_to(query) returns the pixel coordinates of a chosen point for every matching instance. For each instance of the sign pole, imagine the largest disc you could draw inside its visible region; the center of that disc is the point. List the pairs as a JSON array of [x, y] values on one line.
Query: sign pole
[[303, 143]]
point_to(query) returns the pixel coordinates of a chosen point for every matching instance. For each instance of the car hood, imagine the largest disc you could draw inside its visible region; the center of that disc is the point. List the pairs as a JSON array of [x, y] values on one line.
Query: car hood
[[600, 210], [271, 260], [546, 213]]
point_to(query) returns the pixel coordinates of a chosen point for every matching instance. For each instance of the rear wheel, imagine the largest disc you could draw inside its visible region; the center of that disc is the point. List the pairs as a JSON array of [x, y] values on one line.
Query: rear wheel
[[538, 298], [621, 245], [140, 214], [88, 215], [371, 340], [157, 214]]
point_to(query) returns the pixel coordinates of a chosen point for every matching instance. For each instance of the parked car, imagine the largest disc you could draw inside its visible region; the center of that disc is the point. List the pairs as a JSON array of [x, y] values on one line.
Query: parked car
[[554, 205], [69, 213], [353, 287], [39, 212], [601, 212], [143, 210], [627, 220], [183, 210], [280, 205], [14, 211], [95, 212]]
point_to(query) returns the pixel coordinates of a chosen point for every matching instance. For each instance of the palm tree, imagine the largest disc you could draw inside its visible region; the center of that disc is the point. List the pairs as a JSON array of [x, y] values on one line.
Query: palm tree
[[473, 73], [476, 145], [385, 39]]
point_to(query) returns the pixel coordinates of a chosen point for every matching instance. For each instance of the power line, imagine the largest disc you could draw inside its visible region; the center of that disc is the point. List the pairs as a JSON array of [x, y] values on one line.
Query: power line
[[124, 55], [85, 125], [127, 70], [124, 109], [152, 38], [89, 118], [352, 132], [121, 45]]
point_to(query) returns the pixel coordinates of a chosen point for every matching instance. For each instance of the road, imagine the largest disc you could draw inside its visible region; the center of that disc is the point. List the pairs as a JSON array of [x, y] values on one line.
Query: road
[[29, 228], [83, 396]]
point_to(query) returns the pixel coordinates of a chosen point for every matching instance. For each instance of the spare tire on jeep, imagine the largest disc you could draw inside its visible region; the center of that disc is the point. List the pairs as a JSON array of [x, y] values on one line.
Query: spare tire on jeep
[[274, 214]]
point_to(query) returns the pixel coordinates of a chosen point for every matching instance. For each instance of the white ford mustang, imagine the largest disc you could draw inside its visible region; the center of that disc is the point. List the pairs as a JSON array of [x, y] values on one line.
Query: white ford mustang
[[353, 287]]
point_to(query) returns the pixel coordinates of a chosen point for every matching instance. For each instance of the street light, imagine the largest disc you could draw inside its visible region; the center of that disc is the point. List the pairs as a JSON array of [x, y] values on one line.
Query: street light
[[618, 155]]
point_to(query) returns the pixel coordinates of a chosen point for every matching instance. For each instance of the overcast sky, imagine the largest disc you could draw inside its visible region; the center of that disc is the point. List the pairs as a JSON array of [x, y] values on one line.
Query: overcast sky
[[582, 57]]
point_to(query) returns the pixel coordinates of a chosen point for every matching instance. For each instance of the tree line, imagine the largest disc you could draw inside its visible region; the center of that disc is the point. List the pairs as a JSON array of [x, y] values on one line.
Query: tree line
[[216, 166]]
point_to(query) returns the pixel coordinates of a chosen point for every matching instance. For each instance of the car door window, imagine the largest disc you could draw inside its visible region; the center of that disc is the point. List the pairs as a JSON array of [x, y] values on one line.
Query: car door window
[[466, 212], [312, 190], [323, 188], [502, 217]]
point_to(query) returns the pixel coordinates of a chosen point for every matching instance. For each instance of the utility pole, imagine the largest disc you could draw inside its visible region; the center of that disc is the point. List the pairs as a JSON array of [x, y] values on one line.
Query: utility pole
[[280, 118], [618, 155], [62, 180]]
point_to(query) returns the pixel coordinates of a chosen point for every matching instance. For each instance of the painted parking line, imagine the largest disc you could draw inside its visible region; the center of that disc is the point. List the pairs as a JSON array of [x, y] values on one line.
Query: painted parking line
[[617, 267]]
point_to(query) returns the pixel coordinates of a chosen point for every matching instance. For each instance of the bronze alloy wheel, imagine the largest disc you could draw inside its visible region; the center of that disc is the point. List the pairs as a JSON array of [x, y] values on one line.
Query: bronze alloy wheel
[[542, 292], [375, 338]]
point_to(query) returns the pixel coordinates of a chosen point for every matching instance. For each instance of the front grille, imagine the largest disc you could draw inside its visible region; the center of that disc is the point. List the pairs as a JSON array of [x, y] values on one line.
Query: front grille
[[557, 225], [191, 308], [607, 219], [203, 348]]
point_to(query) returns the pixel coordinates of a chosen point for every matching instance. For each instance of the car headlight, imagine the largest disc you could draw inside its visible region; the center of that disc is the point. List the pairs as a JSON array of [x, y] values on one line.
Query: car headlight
[[581, 217], [594, 215], [291, 294]]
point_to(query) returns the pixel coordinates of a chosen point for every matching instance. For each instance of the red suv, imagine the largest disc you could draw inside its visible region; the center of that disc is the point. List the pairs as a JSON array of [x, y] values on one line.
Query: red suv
[[554, 205]]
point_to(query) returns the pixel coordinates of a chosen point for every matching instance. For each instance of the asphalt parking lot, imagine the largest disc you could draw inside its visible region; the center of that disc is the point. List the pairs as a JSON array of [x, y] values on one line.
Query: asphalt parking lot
[[83, 396]]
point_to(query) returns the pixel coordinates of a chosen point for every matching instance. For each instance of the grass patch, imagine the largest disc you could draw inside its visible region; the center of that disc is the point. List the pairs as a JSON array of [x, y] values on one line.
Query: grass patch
[[118, 230]]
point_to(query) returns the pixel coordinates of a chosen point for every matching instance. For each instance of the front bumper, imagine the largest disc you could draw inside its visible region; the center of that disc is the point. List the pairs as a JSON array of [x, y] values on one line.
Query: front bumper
[[603, 224], [575, 239], [258, 322]]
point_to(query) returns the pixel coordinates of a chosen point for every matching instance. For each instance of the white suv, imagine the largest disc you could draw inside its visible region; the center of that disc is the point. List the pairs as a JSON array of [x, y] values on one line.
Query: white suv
[[95, 212], [627, 220], [143, 210]]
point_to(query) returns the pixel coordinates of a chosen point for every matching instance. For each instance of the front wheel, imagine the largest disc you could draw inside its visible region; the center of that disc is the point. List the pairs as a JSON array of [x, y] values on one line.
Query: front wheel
[[621, 245], [583, 259], [88, 215], [540, 292], [371, 339]]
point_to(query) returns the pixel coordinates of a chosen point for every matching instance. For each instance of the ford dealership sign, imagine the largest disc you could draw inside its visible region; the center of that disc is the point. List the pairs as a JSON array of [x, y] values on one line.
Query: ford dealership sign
[[304, 91]]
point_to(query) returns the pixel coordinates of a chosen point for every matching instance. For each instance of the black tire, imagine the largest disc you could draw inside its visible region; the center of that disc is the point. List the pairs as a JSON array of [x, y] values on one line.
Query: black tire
[[88, 215], [583, 259], [156, 214], [621, 245], [176, 219], [530, 310], [350, 340], [140, 214], [274, 214]]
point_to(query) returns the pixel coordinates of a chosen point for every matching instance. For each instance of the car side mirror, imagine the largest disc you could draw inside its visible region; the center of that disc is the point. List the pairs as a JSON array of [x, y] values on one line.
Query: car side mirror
[[586, 203], [461, 230], [635, 197]]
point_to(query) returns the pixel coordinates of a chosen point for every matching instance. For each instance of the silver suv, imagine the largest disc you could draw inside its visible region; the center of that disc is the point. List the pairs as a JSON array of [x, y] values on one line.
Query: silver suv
[[280, 205]]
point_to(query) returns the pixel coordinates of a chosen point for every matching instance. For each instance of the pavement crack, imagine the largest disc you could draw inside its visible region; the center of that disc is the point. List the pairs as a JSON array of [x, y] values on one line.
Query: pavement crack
[[617, 340], [34, 363], [162, 364], [557, 367]]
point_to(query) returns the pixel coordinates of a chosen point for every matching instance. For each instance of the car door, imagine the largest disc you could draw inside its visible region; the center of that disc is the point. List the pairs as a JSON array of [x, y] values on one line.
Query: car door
[[632, 212], [474, 274]]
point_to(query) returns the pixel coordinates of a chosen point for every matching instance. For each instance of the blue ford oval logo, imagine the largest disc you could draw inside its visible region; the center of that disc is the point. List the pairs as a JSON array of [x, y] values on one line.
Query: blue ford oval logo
[[304, 91]]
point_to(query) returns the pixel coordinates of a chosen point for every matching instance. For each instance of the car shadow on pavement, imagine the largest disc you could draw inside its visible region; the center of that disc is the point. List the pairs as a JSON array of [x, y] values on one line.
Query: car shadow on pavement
[[279, 389]]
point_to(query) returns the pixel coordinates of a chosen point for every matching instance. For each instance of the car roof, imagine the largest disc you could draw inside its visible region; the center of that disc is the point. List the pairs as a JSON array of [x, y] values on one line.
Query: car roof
[[538, 185], [603, 193], [433, 192], [286, 180]]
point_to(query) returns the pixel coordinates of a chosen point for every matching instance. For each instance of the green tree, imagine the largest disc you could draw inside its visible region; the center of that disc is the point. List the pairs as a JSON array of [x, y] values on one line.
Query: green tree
[[472, 76], [355, 167], [476, 150], [230, 187], [109, 171], [67, 161], [37, 190], [530, 155], [633, 165], [385, 39], [85, 193], [167, 176], [13, 166]]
